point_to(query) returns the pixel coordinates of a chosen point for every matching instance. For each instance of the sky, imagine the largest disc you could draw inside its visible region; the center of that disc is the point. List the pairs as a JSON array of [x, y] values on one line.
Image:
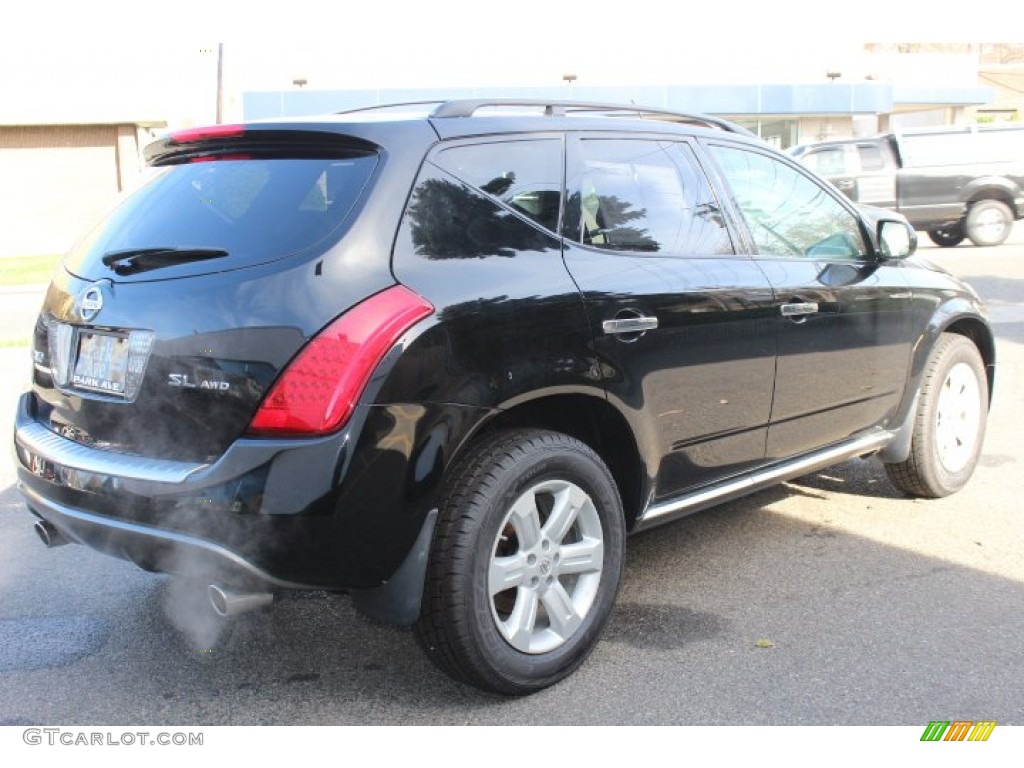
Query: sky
[[148, 61]]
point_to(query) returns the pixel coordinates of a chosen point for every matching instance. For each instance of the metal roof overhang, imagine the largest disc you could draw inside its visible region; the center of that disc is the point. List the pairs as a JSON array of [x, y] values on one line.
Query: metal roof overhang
[[727, 100], [8, 122]]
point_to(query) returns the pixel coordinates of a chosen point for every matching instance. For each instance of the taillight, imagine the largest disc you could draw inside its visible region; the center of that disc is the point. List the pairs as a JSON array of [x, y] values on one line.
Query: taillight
[[211, 158], [319, 389]]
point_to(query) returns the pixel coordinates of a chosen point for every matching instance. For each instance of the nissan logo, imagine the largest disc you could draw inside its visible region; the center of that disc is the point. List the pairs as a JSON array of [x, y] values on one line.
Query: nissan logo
[[91, 302]]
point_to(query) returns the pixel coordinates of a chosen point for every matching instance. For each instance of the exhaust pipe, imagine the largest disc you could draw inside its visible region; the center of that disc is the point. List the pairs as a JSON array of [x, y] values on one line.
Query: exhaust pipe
[[49, 535], [228, 603]]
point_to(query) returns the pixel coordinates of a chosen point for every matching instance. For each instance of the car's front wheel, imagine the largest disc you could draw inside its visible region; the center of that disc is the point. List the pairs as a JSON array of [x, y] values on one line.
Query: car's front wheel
[[949, 426], [525, 564]]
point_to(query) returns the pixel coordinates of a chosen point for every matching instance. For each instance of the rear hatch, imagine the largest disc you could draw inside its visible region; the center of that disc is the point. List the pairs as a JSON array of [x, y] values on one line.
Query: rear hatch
[[176, 313]]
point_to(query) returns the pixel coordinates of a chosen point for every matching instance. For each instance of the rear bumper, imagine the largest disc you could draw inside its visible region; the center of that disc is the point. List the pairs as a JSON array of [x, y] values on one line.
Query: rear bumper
[[152, 548], [338, 512]]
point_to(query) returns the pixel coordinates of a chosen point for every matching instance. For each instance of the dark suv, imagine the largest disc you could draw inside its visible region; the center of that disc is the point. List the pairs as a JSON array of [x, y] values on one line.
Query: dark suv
[[446, 359]]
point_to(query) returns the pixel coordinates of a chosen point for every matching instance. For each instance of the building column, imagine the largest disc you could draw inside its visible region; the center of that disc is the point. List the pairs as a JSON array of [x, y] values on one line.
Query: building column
[[128, 161]]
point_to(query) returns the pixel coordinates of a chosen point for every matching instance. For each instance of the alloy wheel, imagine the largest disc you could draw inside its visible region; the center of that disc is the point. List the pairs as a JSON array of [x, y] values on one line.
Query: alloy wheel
[[545, 566]]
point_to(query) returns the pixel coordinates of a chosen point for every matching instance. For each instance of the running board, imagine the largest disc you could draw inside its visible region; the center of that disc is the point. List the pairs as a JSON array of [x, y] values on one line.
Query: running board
[[696, 501]]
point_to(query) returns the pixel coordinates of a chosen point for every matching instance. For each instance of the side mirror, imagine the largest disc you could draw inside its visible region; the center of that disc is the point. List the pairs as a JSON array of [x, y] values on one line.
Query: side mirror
[[897, 239]]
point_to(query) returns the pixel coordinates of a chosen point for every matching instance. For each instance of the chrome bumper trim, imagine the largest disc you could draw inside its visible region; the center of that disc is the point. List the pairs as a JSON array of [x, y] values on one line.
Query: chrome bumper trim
[[38, 440], [312, 459]]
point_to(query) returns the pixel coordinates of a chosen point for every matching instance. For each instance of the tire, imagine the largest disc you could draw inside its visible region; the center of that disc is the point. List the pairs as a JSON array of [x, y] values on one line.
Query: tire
[[988, 222], [949, 236], [504, 559], [950, 424]]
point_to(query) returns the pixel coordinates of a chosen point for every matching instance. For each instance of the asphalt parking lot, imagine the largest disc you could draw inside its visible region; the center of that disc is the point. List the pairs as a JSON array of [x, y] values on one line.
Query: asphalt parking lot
[[828, 600]]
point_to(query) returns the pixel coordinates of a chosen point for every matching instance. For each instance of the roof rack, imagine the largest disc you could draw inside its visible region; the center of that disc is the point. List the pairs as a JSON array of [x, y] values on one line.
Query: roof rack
[[554, 108], [395, 105]]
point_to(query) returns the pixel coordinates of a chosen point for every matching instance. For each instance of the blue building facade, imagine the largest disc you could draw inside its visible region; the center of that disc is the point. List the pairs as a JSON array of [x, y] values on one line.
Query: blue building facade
[[783, 114]]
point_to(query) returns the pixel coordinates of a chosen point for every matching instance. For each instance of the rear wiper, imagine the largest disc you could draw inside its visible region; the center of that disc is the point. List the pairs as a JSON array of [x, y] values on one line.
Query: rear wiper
[[135, 260]]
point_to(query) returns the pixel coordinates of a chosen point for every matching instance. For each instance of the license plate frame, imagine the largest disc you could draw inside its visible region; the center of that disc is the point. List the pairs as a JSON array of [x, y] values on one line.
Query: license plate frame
[[101, 362]]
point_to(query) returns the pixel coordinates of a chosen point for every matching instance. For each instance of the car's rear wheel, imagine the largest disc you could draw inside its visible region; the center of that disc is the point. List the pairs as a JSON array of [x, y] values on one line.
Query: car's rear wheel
[[988, 222], [950, 423], [525, 564], [948, 236]]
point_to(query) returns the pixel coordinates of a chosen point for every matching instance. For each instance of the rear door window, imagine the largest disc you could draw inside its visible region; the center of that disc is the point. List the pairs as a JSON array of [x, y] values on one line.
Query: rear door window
[[871, 158], [644, 196]]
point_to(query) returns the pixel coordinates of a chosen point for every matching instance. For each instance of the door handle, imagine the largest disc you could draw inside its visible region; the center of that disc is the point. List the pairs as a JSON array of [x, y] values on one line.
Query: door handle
[[799, 308], [630, 325]]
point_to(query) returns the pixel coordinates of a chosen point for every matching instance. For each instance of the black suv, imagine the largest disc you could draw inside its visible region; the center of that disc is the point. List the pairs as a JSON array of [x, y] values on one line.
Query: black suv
[[445, 359]]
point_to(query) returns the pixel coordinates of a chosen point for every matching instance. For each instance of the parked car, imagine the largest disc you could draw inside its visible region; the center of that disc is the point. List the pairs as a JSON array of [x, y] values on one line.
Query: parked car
[[952, 182], [446, 359]]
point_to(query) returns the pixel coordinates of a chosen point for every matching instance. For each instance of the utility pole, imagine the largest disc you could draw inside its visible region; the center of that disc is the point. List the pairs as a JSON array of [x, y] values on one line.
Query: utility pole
[[569, 80], [220, 83]]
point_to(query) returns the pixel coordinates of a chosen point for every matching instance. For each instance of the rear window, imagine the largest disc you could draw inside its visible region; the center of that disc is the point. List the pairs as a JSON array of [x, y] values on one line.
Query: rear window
[[870, 157], [252, 210]]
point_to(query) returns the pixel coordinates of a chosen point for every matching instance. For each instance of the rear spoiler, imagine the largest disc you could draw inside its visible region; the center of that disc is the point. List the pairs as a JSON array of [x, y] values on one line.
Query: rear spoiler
[[243, 142]]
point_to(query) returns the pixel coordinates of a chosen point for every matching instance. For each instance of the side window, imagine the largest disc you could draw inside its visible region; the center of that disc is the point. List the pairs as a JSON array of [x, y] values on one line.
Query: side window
[[525, 175], [645, 196], [827, 162], [788, 213], [448, 219], [870, 157]]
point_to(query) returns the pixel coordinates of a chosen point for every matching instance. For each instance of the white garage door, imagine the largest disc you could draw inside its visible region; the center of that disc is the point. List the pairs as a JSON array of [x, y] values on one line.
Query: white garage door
[[55, 182]]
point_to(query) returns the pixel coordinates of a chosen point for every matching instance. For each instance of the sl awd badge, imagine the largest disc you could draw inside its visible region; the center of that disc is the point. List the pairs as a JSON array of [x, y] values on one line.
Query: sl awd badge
[[91, 302], [186, 381]]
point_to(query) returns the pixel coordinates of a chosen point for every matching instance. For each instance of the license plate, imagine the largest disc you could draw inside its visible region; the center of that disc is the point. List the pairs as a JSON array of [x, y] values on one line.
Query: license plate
[[101, 364]]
